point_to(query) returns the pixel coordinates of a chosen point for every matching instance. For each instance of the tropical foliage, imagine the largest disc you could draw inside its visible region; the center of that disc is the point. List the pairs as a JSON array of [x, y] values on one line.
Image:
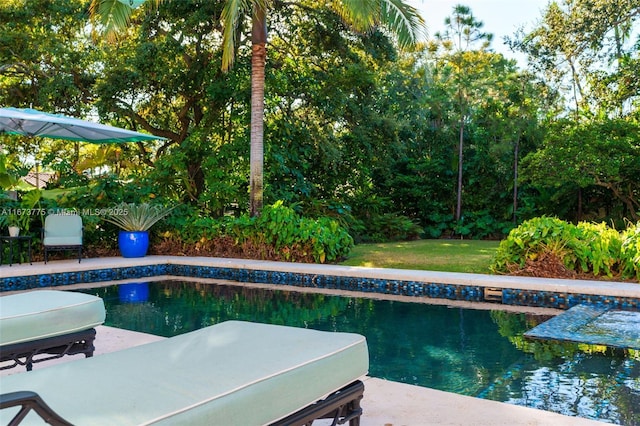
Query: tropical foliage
[[136, 217], [586, 248], [444, 140], [395, 15], [279, 233]]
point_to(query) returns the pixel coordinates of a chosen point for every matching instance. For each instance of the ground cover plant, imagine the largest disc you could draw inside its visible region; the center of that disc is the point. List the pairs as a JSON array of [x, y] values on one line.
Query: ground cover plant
[[550, 247], [279, 233]]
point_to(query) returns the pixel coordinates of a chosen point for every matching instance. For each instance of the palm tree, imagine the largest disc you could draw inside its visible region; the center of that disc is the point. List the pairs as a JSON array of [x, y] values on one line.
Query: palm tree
[[362, 15], [463, 31]]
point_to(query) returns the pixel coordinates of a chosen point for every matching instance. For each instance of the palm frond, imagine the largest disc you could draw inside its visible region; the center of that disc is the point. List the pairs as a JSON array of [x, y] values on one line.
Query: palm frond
[[112, 15], [115, 15], [232, 13], [361, 15], [399, 17], [403, 20]]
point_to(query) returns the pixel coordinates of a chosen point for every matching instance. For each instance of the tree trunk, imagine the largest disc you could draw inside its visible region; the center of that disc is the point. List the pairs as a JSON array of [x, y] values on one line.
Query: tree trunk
[[515, 180], [460, 149], [579, 217], [256, 159]]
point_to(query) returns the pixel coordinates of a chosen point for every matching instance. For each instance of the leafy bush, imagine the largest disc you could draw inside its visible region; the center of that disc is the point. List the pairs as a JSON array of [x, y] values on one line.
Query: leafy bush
[[278, 233], [392, 227], [437, 224], [288, 232], [592, 248], [480, 225], [475, 225], [598, 248], [630, 252], [527, 241]]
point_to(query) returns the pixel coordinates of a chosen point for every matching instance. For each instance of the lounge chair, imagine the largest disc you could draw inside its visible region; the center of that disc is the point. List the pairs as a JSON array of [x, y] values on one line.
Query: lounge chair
[[232, 373], [41, 325], [62, 232]]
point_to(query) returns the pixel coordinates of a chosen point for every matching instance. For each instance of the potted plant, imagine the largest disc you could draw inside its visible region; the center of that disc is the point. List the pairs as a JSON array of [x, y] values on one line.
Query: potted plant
[[17, 215], [134, 220], [13, 225]]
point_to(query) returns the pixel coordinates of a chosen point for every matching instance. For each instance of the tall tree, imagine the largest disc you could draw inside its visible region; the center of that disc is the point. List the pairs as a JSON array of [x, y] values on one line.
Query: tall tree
[[46, 62], [584, 48], [396, 15], [512, 121], [463, 35], [599, 154]]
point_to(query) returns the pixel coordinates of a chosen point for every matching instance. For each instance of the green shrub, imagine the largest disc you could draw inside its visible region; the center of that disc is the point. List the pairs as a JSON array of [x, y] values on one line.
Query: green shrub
[[480, 225], [598, 249], [473, 225], [586, 247], [438, 224], [393, 227], [385, 227], [288, 232], [370, 221], [278, 230], [328, 240], [532, 238], [630, 252]]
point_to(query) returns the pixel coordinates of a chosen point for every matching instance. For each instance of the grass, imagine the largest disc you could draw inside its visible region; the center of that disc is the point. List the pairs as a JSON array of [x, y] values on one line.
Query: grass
[[434, 255]]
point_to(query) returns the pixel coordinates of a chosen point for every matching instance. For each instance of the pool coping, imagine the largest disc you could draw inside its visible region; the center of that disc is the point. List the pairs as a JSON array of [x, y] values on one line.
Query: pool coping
[[499, 289]]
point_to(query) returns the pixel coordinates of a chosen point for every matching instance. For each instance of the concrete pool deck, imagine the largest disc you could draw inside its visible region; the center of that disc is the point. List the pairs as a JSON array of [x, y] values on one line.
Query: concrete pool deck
[[385, 403]]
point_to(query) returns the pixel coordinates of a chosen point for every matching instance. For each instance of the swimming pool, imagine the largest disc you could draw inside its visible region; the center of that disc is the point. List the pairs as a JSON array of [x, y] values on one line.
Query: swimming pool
[[467, 351]]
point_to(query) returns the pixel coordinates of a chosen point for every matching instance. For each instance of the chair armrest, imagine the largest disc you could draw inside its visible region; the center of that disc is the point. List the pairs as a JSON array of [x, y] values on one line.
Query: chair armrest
[[30, 401]]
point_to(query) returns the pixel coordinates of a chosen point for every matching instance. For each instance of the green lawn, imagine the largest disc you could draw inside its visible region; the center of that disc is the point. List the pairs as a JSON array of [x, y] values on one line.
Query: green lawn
[[434, 255]]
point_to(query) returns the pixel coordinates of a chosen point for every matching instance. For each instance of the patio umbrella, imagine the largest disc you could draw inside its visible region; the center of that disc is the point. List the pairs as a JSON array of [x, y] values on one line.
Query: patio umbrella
[[31, 122]]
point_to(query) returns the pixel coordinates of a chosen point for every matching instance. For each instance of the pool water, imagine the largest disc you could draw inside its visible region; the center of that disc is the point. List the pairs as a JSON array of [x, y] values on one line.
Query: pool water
[[471, 352]]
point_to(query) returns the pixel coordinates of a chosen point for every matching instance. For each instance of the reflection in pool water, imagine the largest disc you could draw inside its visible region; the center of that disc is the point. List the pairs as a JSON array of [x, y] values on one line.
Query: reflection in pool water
[[467, 351]]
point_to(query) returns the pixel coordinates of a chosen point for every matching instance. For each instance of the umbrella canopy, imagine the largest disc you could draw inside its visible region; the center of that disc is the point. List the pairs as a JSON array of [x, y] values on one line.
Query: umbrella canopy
[[31, 122]]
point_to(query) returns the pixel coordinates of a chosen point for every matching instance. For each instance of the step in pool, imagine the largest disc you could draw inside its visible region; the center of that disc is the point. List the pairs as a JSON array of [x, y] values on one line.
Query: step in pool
[[594, 325]]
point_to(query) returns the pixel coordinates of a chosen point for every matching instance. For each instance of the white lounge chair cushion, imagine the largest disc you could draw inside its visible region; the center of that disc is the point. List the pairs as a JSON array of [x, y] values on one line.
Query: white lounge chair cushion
[[47, 313], [232, 373]]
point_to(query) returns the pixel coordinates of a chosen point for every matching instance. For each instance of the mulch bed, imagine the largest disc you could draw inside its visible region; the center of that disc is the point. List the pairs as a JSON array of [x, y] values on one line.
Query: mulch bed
[[547, 265]]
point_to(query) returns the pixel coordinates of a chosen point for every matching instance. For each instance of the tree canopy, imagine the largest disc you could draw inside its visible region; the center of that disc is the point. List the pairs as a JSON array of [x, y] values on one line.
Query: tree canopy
[[354, 127]]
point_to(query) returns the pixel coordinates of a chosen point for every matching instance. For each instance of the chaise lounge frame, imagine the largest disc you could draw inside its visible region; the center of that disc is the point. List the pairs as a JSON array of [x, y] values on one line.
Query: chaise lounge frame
[[42, 325], [342, 406], [77, 248], [31, 352]]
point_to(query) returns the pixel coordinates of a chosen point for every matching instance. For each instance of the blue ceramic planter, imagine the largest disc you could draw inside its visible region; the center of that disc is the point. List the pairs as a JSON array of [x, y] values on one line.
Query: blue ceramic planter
[[133, 243]]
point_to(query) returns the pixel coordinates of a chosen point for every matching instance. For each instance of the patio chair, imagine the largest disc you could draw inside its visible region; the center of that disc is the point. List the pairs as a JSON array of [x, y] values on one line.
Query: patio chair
[[232, 373], [62, 232], [41, 325]]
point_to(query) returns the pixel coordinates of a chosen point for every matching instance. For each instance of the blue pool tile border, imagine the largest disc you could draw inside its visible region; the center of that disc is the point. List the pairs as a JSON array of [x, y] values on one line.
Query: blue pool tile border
[[460, 292], [28, 282]]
